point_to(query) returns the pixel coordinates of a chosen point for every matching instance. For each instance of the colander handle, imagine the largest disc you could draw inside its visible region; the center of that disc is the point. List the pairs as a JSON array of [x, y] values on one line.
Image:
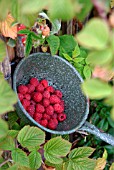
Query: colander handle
[[88, 127]]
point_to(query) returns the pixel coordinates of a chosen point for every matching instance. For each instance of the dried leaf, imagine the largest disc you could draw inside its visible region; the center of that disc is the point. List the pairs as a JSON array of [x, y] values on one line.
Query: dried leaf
[[100, 164], [103, 73], [6, 29]]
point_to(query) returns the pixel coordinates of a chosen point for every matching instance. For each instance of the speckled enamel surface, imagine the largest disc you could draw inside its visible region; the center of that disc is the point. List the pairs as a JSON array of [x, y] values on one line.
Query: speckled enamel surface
[[61, 75]]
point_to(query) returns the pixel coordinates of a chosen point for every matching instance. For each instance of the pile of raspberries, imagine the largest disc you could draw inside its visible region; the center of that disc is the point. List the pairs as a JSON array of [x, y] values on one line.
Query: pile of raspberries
[[43, 103]]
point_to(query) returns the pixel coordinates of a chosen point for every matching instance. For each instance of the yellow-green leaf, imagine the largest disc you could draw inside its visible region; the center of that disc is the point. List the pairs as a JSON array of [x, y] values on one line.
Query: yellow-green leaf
[[2, 51], [96, 89], [3, 128], [95, 35], [100, 164]]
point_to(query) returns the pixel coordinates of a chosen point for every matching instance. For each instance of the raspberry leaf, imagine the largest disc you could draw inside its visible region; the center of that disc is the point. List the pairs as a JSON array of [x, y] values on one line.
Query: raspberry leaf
[[93, 38], [103, 89], [35, 159], [56, 148], [3, 128], [7, 97], [53, 42], [28, 45], [20, 157], [2, 51], [7, 143], [29, 136], [24, 31]]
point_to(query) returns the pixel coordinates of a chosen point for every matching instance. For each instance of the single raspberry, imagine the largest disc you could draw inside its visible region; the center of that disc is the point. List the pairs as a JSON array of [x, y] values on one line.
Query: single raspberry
[[46, 116], [31, 110], [46, 94], [34, 81], [46, 102], [27, 96], [20, 96], [46, 31], [44, 122], [37, 96], [54, 116], [50, 89], [31, 88], [40, 108], [50, 110], [58, 93], [25, 102], [62, 103], [22, 89], [58, 108], [52, 125], [21, 27], [40, 88], [44, 82], [32, 102], [54, 120], [37, 116], [61, 117], [54, 99]]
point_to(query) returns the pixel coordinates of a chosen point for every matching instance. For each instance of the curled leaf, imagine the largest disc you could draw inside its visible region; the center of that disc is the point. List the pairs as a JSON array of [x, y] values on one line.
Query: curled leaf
[[6, 29]]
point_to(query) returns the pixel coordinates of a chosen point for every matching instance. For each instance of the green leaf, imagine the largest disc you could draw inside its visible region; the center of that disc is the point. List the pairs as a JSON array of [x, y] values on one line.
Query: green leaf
[[7, 97], [56, 148], [12, 118], [13, 167], [76, 52], [81, 164], [78, 59], [61, 10], [34, 6], [2, 51], [67, 57], [31, 135], [57, 166], [20, 157], [24, 31], [100, 57], [13, 133], [53, 42], [112, 113], [36, 37], [3, 128], [11, 42], [67, 44], [28, 46], [103, 125], [5, 166], [4, 8], [56, 26], [86, 7], [111, 122], [96, 89], [7, 144], [87, 71], [93, 38], [81, 152], [35, 160], [105, 154]]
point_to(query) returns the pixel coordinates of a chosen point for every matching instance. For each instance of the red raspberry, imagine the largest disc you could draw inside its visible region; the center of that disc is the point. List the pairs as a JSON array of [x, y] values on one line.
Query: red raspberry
[[54, 99], [34, 81], [40, 88], [27, 96], [46, 102], [58, 93], [54, 116], [37, 116], [22, 89], [44, 82], [50, 89], [21, 27], [31, 110], [62, 103], [46, 94], [51, 124], [40, 108], [20, 96], [50, 110], [25, 102], [44, 122], [25, 107], [61, 117], [58, 108], [32, 102], [46, 116], [31, 88], [37, 96]]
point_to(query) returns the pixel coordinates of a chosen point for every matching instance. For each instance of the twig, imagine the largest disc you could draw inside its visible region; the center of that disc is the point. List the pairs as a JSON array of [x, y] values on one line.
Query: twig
[[3, 163]]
